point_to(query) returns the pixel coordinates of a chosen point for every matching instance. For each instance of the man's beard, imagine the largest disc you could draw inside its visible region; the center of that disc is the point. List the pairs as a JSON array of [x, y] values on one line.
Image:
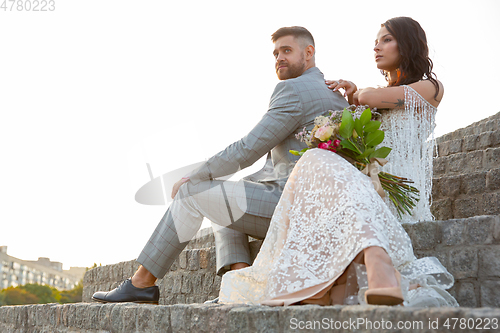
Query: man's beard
[[292, 70]]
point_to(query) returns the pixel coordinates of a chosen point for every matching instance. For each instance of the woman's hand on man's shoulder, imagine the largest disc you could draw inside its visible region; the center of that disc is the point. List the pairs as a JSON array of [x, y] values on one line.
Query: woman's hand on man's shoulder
[[348, 86]]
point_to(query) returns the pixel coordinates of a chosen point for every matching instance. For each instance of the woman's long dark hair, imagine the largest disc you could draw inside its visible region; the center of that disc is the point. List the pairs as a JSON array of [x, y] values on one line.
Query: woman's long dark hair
[[415, 63]]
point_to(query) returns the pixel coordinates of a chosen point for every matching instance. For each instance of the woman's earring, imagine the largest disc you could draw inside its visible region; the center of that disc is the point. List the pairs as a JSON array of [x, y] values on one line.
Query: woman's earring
[[398, 73]]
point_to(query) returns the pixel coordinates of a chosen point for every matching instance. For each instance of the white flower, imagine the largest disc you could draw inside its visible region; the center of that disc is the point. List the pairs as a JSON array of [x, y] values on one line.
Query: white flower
[[320, 121]]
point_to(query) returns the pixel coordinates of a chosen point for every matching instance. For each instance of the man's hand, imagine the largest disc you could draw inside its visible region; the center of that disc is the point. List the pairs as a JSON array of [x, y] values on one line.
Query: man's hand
[[177, 185]]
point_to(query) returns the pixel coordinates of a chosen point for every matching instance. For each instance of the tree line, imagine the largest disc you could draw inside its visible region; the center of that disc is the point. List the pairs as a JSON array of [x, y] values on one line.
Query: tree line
[[40, 294]]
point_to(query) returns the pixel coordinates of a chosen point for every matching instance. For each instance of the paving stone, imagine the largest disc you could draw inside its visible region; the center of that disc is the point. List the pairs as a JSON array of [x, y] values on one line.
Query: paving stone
[[194, 259], [490, 294], [455, 146], [470, 142], [493, 179], [467, 207], [177, 285], [491, 158], [474, 161], [186, 284], [449, 187], [456, 163], [444, 148], [485, 140], [453, 232], [183, 259], [473, 183], [204, 257], [439, 166], [464, 262], [424, 235], [442, 209], [466, 295], [479, 231], [491, 203], [489, 259]]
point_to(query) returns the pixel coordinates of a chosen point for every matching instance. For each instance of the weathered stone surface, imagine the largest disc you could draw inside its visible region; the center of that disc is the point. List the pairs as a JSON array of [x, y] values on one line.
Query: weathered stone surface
[[439, 167], [490, 294], [455, 146], [466, 292], [183, 259], [479, 230], [424, 235], [449, 186], [470, 142], [474, 161], [442, 209], [464, 262], [489, 259], [493, 179], [491, 158], [467, 207], [204, 257], [491, 203], [240, 318], [453, 232], [193, 259], [456, 163], [473, 183]]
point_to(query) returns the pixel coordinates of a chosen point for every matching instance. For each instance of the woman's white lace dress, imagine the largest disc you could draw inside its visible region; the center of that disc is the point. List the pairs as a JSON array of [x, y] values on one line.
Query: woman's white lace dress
[[329, 212]]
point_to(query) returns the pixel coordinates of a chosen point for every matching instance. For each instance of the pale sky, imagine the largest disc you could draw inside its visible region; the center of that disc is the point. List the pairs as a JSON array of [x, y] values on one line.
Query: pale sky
[[91, 92]]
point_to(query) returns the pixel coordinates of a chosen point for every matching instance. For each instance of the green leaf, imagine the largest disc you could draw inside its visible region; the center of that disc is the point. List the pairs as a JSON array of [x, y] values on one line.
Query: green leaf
[[382, 152], [358, 126], [349, 145], [347, 125], [372, 126], [367, 152], [366, 116], [374, 138], [298, 153]]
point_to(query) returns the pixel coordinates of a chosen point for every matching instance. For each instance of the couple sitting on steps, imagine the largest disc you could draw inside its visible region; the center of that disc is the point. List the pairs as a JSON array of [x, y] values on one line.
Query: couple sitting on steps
[[329, 237]]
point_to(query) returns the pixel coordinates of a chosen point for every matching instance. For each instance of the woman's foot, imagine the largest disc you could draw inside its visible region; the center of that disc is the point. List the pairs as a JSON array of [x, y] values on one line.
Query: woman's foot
[[379, 268], [384, 282]]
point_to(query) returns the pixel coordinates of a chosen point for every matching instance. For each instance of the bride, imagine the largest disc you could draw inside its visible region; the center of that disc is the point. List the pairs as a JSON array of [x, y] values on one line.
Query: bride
[[332, 238]]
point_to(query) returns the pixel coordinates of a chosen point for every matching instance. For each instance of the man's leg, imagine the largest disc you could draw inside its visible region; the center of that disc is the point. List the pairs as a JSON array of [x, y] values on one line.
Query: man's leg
[[216, 200]]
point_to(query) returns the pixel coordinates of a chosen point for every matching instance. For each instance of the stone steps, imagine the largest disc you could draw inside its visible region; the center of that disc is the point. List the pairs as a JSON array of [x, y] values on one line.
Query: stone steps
[[199, 318], [466, 180], [469, 248], [466, 195], [491, 123]]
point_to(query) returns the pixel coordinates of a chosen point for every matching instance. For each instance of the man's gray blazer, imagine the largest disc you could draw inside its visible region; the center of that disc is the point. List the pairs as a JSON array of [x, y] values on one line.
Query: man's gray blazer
[[294, 105]]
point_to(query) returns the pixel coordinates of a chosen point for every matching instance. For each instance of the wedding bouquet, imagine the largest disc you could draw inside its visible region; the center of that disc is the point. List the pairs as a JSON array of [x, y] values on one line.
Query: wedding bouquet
[[354, 135]]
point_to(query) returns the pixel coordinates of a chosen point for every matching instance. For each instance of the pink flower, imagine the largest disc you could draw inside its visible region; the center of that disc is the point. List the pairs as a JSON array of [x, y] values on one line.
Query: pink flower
[[336, 143], [327, 146], [324, 132]]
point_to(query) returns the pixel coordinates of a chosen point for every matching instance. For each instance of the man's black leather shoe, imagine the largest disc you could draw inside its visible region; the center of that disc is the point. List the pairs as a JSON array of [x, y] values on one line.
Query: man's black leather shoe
[[126, 292]]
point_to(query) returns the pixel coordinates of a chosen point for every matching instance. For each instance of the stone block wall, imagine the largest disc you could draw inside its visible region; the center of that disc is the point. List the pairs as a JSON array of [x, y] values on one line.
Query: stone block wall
[[466, 178], [469, 248]]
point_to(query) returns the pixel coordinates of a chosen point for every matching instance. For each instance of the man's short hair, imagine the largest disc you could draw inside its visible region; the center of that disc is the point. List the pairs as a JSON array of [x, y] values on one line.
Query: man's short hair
[[299, 33]]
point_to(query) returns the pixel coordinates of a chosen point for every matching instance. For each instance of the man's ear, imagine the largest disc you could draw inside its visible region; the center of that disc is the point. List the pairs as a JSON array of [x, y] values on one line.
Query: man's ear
[[309, 52]]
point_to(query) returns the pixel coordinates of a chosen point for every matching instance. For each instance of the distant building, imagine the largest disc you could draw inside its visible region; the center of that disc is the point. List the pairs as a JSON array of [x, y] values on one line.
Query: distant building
[[15, 272]]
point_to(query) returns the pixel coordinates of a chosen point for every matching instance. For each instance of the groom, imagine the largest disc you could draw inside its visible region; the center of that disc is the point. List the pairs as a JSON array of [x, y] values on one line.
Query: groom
[[242, 208]]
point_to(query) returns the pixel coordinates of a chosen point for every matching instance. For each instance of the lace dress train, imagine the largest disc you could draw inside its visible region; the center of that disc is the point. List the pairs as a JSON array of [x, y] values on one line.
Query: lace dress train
[[328, 214]]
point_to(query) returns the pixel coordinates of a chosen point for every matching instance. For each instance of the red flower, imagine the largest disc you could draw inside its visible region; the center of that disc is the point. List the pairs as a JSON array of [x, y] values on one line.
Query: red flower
[[328, 145]]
